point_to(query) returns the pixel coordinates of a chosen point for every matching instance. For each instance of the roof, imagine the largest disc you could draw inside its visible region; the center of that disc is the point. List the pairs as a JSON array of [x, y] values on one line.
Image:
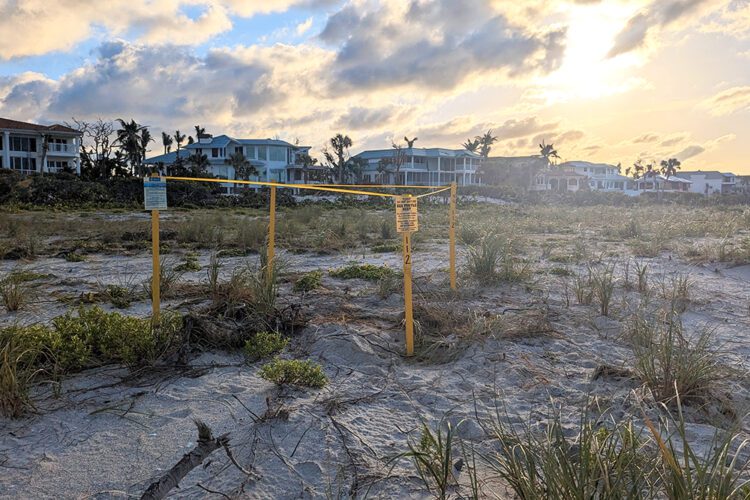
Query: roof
[[672, 178], [709, 174], [7, 123], [221, 141], [588, 164], [374, 154]]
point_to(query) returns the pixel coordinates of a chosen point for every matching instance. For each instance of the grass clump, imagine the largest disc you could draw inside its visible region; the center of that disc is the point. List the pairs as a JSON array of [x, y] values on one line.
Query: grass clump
[[305, 373], [669, 363], [433, 456], [369, 272], [16, 375], [596, 461], [386, 247], [74, 257], [264, 345], [190, 264], [14, 293], [496, 259], [309, 281]]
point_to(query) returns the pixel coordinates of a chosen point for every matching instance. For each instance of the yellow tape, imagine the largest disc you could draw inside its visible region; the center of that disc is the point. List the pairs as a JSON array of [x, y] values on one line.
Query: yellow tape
[[318, 187], [378, 186]]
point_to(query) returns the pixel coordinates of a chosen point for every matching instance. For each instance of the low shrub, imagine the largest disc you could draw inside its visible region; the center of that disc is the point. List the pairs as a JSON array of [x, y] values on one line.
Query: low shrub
[[386, 247], [14, 292], [190, 264], [294, 372], [264, 345], [308, 282], [369, 272]]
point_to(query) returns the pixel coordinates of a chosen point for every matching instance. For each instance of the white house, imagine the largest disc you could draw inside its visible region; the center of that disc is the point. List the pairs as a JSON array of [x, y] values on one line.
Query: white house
[[275, 160], [420, 166], [29, 147], [577, 175], [710, 181]]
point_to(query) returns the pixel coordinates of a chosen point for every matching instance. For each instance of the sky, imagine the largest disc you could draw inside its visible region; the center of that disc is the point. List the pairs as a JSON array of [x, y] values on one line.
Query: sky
[[603, 80]]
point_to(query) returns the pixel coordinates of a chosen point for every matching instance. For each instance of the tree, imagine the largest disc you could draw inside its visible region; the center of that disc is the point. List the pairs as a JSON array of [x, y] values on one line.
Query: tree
[[198, 164], [145, 139], [339, 156], [178, 138], [199, 132], [471, 145], [167, 141], [548, 151], [243, 169], [99, 157], [669, 167], [410, 143], [190, 139], [399, 158], [45, 150], [356, 166], [305, 161], [129, 139], [485, 143]]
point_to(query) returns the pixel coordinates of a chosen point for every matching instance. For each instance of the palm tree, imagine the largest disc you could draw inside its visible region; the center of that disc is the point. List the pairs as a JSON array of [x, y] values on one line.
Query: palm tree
[[243, 169], [178, 138], [199, 164], [45, 149], [129, 137], [167, 141], [485, 142], [410, 143], [145, 139], [190, 139], [548, 151], [670, 167], [471, 145], [338, 158], [199, 132], [306, 161]]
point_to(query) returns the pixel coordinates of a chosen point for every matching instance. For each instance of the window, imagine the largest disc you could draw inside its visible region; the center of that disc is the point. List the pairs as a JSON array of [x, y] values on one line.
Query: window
[[23, 144], [277, 154], [250, 152], [214, 152], [238, 149], [262, 153], [25, 164]]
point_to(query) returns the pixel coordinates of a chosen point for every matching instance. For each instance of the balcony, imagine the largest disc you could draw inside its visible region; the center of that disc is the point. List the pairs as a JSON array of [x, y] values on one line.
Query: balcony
[[64, 149]]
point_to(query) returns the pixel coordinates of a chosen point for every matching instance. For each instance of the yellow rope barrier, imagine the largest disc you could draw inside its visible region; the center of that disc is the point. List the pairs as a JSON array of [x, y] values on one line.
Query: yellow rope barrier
[[332, 188]]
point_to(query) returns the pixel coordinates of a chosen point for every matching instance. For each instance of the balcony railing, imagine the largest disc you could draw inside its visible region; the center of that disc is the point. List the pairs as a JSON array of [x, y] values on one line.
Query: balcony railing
[[60, 148]]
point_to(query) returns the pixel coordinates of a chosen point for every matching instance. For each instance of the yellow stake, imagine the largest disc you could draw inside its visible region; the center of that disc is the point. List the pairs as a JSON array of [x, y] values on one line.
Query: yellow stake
[[452, 225], [156, 273], [408, 312], [272, 232]]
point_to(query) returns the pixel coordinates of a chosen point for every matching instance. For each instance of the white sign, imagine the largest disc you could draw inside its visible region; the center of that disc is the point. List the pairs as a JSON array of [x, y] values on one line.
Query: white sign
[[406, 214], [155, 193]]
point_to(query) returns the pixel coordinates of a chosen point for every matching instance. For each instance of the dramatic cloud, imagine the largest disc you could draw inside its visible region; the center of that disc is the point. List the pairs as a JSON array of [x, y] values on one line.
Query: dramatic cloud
[[728, 101], [435, 44], [51, 26], [659, 14], [689, 152], [358, 118]]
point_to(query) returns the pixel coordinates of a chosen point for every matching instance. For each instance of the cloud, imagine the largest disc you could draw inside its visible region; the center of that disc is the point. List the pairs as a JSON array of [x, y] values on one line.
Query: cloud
[[51, 26], [729, 101], [660, 14], [358, 118], [436, 44], [646, 138], [304, 26], [689, 152]]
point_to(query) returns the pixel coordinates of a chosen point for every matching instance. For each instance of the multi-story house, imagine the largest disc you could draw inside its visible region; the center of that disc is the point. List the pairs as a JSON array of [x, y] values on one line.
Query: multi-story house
[[577, 175], [420, 166], [710, 181], [29, 147], [273, 159]]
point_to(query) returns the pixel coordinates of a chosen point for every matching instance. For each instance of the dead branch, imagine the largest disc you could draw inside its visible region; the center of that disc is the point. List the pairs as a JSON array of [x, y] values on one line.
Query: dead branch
[[207, 444]]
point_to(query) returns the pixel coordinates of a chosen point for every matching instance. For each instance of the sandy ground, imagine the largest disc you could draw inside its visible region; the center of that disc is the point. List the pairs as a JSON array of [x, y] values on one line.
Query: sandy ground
[[107, 435]]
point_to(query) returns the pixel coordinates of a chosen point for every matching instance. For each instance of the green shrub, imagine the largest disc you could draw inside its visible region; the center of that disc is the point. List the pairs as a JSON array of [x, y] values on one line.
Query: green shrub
[[190, 264], [309, 281], [369, 272], [74, 257], [386, 247], [264, 344], [294, 372]]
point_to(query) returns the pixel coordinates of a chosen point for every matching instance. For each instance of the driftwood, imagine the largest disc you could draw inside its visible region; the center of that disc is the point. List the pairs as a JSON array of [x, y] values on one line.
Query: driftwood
[[207, 444]]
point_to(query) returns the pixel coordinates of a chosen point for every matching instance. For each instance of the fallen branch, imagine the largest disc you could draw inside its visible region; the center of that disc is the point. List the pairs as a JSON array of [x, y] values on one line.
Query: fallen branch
[[207, 444]]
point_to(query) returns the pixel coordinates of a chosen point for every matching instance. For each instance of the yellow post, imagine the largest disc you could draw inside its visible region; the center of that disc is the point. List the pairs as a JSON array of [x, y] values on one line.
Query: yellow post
[[272, 232], [155, 268], [408, 311], [452, 226]]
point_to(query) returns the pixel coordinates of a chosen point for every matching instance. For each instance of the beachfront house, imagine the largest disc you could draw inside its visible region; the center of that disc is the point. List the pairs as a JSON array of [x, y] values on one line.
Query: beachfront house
[[710, 181], [601, 176], [559, 180], [274, 160], [420, 166], [30, 147]]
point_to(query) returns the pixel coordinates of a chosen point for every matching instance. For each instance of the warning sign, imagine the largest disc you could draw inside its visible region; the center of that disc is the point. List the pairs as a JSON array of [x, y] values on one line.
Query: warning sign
[[155, 193], [406, 214]]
